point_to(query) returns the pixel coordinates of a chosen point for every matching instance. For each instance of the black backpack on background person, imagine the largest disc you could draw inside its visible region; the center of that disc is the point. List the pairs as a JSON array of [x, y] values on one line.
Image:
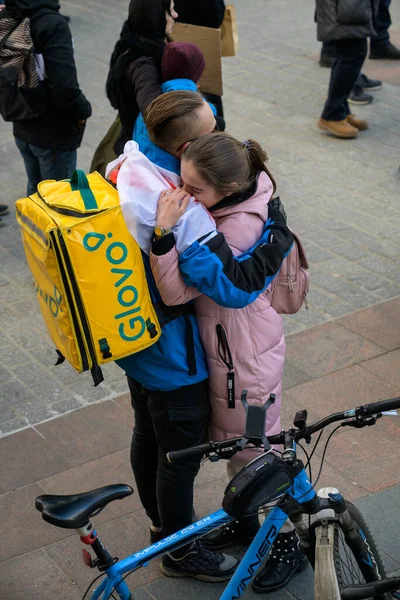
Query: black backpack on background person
[[18, 74]]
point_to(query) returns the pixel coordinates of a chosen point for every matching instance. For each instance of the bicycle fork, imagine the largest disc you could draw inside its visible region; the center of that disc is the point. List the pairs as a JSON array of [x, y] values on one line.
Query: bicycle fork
[[318, 540]]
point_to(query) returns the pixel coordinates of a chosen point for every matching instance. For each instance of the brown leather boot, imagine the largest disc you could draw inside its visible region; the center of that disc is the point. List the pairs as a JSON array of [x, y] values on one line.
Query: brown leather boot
[[360, 124], [341, 129]]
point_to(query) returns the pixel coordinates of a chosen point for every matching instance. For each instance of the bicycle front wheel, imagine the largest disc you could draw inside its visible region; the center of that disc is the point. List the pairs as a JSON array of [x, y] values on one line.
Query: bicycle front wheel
[[351, 566]]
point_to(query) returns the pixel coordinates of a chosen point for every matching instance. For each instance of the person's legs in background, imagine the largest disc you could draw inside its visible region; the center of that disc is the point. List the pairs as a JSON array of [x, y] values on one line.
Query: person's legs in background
[[44, 163], [380, 46], [55, 164], [335, 117], [32, 166], [360, 92]]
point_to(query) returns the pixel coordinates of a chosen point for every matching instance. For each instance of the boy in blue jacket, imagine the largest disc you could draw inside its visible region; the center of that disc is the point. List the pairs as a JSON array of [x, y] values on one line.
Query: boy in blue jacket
[[169, 381]]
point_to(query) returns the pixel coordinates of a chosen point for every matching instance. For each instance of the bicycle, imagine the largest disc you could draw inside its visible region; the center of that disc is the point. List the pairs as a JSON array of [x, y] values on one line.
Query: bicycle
[[338, 543]]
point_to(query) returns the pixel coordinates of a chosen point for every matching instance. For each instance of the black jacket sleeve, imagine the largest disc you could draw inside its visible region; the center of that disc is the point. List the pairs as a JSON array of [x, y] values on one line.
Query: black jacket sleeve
[[144, 77], [206, 13], [56, 45]]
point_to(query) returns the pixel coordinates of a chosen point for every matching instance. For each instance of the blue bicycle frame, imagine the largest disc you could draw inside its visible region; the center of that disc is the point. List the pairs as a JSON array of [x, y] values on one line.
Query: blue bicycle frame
[[301, 491]]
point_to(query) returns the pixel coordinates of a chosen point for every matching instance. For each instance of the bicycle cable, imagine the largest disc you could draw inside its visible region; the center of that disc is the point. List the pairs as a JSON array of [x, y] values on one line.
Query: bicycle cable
[[324, 453], [314, 449], [308, 464], [90, 585]]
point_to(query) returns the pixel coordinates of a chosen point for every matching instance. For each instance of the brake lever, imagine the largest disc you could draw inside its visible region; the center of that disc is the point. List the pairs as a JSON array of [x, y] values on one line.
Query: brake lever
[[360, 422], [222, 453]]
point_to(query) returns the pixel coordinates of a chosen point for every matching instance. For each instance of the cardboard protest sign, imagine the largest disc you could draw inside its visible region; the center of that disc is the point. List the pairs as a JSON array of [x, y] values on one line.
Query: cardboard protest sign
[[209, 42]]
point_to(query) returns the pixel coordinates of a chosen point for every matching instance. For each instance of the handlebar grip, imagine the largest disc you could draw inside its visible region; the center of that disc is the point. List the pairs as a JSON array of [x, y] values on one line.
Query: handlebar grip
[[176, 455], [379, 407]]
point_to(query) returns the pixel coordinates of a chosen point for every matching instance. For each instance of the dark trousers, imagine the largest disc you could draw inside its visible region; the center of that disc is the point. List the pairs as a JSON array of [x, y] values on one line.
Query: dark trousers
[[382, 24], [350, 56], [44, 163], [167, 421]]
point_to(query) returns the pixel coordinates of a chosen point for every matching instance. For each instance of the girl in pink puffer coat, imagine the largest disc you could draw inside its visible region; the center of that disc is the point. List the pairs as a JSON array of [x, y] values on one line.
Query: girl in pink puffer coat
[[231, 180], [246, 342]]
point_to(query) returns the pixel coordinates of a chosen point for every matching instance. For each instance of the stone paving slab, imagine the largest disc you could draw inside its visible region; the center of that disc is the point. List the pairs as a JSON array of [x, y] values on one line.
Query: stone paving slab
[[89, 448], [341, 196]]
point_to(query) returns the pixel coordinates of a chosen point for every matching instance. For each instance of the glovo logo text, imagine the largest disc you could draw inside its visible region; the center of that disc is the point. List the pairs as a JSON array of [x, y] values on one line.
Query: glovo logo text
[[53, 301], [132, 326]]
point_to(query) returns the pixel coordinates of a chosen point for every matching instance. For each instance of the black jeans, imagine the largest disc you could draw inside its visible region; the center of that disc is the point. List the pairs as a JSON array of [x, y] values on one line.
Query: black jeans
[[167, 421], [44, 163], [350, 56], [383, 22]]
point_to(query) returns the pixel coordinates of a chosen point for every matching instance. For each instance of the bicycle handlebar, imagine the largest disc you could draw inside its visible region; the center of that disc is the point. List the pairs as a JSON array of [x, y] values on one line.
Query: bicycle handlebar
[[379, 407], [365, 410]]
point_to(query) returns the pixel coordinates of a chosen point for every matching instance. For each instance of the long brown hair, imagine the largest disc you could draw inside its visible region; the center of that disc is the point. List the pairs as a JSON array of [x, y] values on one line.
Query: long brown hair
[[225, 163], [169, 118]]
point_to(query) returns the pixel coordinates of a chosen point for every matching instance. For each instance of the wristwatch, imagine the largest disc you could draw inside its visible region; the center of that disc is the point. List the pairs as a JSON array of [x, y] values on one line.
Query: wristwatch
[[161, 231]]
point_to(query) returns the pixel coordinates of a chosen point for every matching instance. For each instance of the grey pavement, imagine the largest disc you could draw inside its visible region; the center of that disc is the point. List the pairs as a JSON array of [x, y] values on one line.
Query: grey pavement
[[380, 512], [342, 196]]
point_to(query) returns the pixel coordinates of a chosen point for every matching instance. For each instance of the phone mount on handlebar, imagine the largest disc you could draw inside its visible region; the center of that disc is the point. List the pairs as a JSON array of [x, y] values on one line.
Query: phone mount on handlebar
[[256, 416]]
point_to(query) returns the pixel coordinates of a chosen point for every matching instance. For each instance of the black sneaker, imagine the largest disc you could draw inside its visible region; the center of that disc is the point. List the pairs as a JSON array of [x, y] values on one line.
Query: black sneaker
[[3, 209], [371, 85], [286, 559], [326, 61], [200, 563], [241, 531], [358, 96], [388, 51]]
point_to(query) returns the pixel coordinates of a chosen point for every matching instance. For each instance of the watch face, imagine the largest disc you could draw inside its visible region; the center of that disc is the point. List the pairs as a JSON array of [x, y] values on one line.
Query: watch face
[[160, 231]]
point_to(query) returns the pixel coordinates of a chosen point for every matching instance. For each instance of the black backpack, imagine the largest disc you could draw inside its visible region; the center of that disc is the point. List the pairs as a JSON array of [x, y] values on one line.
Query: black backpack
[[18, 77]]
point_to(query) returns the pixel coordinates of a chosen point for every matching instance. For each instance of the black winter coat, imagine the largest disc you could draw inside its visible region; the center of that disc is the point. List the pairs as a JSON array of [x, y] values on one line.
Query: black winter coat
[[64, 103], [122, 87], [345, 19], [206, 13]]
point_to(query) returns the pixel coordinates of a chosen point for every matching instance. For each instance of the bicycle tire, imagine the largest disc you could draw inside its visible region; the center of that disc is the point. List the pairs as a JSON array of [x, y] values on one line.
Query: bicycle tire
[[347, 563]]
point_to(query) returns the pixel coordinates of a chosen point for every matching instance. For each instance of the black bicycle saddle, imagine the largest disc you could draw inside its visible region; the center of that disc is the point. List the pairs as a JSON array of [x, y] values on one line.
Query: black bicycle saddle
[[72, 512]]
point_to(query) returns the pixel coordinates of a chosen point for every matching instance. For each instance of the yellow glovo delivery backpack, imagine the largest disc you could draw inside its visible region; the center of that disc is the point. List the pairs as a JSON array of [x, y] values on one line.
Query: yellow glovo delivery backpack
[[89, 272]]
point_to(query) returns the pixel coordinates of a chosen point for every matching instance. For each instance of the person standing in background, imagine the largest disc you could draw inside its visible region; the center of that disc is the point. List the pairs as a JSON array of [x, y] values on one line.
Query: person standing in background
[[205, 13], [48, 143], [348, 23], [144, 35], [380, 46]]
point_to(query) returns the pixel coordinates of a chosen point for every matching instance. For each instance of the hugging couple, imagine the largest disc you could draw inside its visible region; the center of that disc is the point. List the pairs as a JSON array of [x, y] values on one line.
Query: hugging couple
[[198, 202]]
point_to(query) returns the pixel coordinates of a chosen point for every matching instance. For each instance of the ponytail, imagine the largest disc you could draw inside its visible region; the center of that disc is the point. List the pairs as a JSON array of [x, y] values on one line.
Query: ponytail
[[258, 159]]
